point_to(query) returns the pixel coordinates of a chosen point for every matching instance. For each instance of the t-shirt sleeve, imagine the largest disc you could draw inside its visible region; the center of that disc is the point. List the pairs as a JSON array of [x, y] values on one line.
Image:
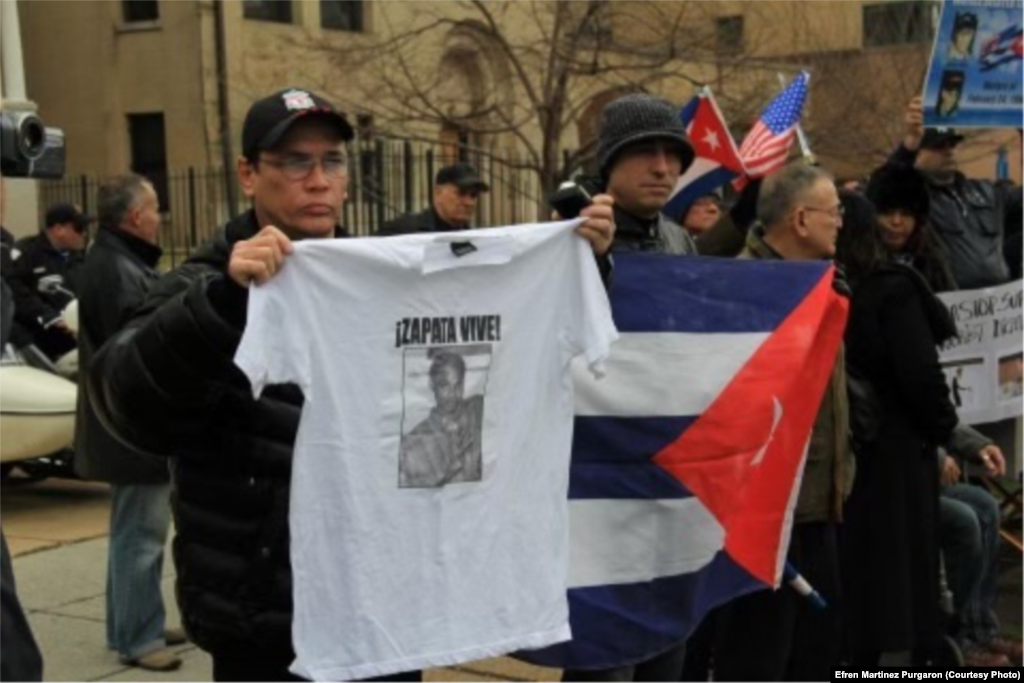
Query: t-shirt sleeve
[[272, 349], [591, 330]]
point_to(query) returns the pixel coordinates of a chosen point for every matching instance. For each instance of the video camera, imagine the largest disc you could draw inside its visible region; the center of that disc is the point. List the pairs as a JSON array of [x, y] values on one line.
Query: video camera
[[28, 149]]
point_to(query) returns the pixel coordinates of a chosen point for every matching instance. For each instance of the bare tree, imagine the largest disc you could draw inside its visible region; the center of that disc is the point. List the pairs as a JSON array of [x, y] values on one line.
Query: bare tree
[[531, 76]]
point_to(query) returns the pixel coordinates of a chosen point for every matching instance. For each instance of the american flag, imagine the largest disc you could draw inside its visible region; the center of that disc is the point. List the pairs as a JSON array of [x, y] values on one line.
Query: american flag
[[767, 144]]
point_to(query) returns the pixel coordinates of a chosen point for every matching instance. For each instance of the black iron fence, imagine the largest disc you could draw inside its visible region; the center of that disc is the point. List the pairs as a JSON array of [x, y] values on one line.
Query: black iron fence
[[387, 178]]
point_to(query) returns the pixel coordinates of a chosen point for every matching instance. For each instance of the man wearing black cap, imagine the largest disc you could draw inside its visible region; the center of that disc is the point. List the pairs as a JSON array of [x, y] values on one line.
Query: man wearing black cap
[[967, 214], [457, 189], [169, 386], [45, 277], [642, 151]]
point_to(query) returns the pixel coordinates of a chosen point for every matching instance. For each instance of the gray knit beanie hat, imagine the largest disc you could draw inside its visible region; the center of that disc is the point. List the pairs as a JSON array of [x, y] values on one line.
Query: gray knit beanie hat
[[635, 118]]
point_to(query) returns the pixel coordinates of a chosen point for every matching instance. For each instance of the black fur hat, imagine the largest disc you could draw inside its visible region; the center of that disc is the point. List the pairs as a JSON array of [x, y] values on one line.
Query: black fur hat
[[899, 187]]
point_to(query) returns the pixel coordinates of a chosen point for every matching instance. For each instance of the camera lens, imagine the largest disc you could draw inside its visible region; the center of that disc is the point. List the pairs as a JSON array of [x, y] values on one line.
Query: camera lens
[[32, 137]]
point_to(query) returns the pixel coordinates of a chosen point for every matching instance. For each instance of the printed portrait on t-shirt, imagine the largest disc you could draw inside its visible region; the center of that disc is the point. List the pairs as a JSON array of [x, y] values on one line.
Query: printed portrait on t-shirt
[[442, 417]]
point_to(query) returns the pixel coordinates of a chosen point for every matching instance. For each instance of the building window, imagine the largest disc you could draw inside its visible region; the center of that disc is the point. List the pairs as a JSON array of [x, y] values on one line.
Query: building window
[[897, 23], [268, 10], [140, 10], [342, 15], [149, 151], [729, 34]]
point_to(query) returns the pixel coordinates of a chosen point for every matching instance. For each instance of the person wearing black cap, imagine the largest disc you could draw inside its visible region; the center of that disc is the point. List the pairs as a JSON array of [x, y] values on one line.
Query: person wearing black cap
[[642, 151], [44, 278], [961, 45], [457, 190], [967, 215], [168, 385]]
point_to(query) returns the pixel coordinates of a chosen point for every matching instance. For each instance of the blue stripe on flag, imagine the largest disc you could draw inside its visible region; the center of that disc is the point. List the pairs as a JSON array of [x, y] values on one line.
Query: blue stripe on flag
[[695, 190], [621, 620], [719, 295], [608, 480], [689, 111], [624, 439]]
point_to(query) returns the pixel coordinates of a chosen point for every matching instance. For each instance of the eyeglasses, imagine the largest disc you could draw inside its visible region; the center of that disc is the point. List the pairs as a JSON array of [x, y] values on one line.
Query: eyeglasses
[[836, 213], [300, 166]]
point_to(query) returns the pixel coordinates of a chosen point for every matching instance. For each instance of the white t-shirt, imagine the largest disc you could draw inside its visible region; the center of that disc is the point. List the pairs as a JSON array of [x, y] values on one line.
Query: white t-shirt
[[428, 502]]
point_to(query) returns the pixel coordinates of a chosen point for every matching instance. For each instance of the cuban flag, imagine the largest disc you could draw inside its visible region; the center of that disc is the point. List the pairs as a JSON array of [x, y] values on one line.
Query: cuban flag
[[1002, 48], [687, 455], [716, 160], [766, 146]]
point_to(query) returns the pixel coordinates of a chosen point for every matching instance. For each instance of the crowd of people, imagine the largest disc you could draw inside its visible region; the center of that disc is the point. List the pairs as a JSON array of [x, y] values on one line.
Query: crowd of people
[[883, 511]]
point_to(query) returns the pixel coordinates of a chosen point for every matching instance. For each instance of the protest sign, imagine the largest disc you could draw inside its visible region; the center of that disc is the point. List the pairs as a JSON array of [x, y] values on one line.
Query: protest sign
[[974, 76], [984, 366]]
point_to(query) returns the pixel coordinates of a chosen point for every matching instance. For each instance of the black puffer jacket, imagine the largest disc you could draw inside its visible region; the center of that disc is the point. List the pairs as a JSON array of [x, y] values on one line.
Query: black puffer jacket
[[118, 272], [169, 384]]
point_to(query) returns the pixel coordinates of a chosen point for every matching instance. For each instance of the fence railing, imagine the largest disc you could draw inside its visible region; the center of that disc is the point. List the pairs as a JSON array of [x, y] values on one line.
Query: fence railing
[[386, 178]]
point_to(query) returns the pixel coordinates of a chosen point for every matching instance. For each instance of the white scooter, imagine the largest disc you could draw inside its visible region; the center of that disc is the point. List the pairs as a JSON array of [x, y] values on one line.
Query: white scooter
[[37, 409]]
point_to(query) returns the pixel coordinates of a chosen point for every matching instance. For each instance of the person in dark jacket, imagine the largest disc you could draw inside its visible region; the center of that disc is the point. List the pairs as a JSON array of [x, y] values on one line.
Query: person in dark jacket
[[457, 190], [777, 635], [44, 278], [169, 385], [19, 654], [967, 215], [968, 218], [115, 278], [889, 546], [641, 153], [642, 150], [901, 198]]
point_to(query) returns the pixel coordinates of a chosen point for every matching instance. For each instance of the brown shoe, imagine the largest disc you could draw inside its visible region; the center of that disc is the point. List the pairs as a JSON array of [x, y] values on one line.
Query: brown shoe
[[175, 636], [1011, 649], [157, 660], [979, 656]]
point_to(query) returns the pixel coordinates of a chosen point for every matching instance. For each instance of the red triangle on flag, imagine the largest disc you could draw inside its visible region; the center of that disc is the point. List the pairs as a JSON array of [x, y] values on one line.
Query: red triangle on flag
[[743, 455]]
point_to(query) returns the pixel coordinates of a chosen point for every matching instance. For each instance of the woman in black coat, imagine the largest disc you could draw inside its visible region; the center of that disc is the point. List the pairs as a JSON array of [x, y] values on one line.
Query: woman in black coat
[[889, 549]]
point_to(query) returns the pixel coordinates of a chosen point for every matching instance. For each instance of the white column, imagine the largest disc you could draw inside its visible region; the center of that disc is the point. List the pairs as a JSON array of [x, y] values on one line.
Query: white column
[[21, 205], [11, 55]]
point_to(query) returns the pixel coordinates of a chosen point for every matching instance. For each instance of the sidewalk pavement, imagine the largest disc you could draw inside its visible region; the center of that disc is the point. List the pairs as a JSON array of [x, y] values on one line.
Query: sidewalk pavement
[[57, 533]]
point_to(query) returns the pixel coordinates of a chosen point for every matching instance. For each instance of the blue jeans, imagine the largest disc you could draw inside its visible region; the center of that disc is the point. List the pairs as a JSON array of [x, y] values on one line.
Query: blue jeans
[[140, 516], [969, 533]]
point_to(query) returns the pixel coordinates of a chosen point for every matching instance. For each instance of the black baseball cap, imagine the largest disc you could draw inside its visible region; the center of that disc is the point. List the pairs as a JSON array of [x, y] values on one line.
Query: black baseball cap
[[940, 137], [59, 214], [464, 176], [270, 118]]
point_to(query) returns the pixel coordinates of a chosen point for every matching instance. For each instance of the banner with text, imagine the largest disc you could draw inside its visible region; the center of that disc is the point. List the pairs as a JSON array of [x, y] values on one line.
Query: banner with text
[[974, 77], [985, 366]]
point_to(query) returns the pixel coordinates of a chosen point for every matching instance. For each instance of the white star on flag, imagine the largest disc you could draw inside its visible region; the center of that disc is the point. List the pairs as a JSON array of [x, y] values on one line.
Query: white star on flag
[[712, 139]]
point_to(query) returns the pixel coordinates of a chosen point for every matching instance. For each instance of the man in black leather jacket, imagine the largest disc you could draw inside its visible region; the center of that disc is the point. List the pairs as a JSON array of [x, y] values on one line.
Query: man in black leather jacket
[[967, 215], [170, 386], [118, 271]]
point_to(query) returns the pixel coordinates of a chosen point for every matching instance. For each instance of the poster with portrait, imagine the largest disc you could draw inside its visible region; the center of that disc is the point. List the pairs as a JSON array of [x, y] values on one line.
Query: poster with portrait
[[974, 76], [443, 427], [983, 366]]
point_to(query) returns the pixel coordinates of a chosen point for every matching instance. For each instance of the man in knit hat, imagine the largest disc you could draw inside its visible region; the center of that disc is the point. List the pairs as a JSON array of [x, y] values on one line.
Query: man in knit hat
[[642, 151]]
